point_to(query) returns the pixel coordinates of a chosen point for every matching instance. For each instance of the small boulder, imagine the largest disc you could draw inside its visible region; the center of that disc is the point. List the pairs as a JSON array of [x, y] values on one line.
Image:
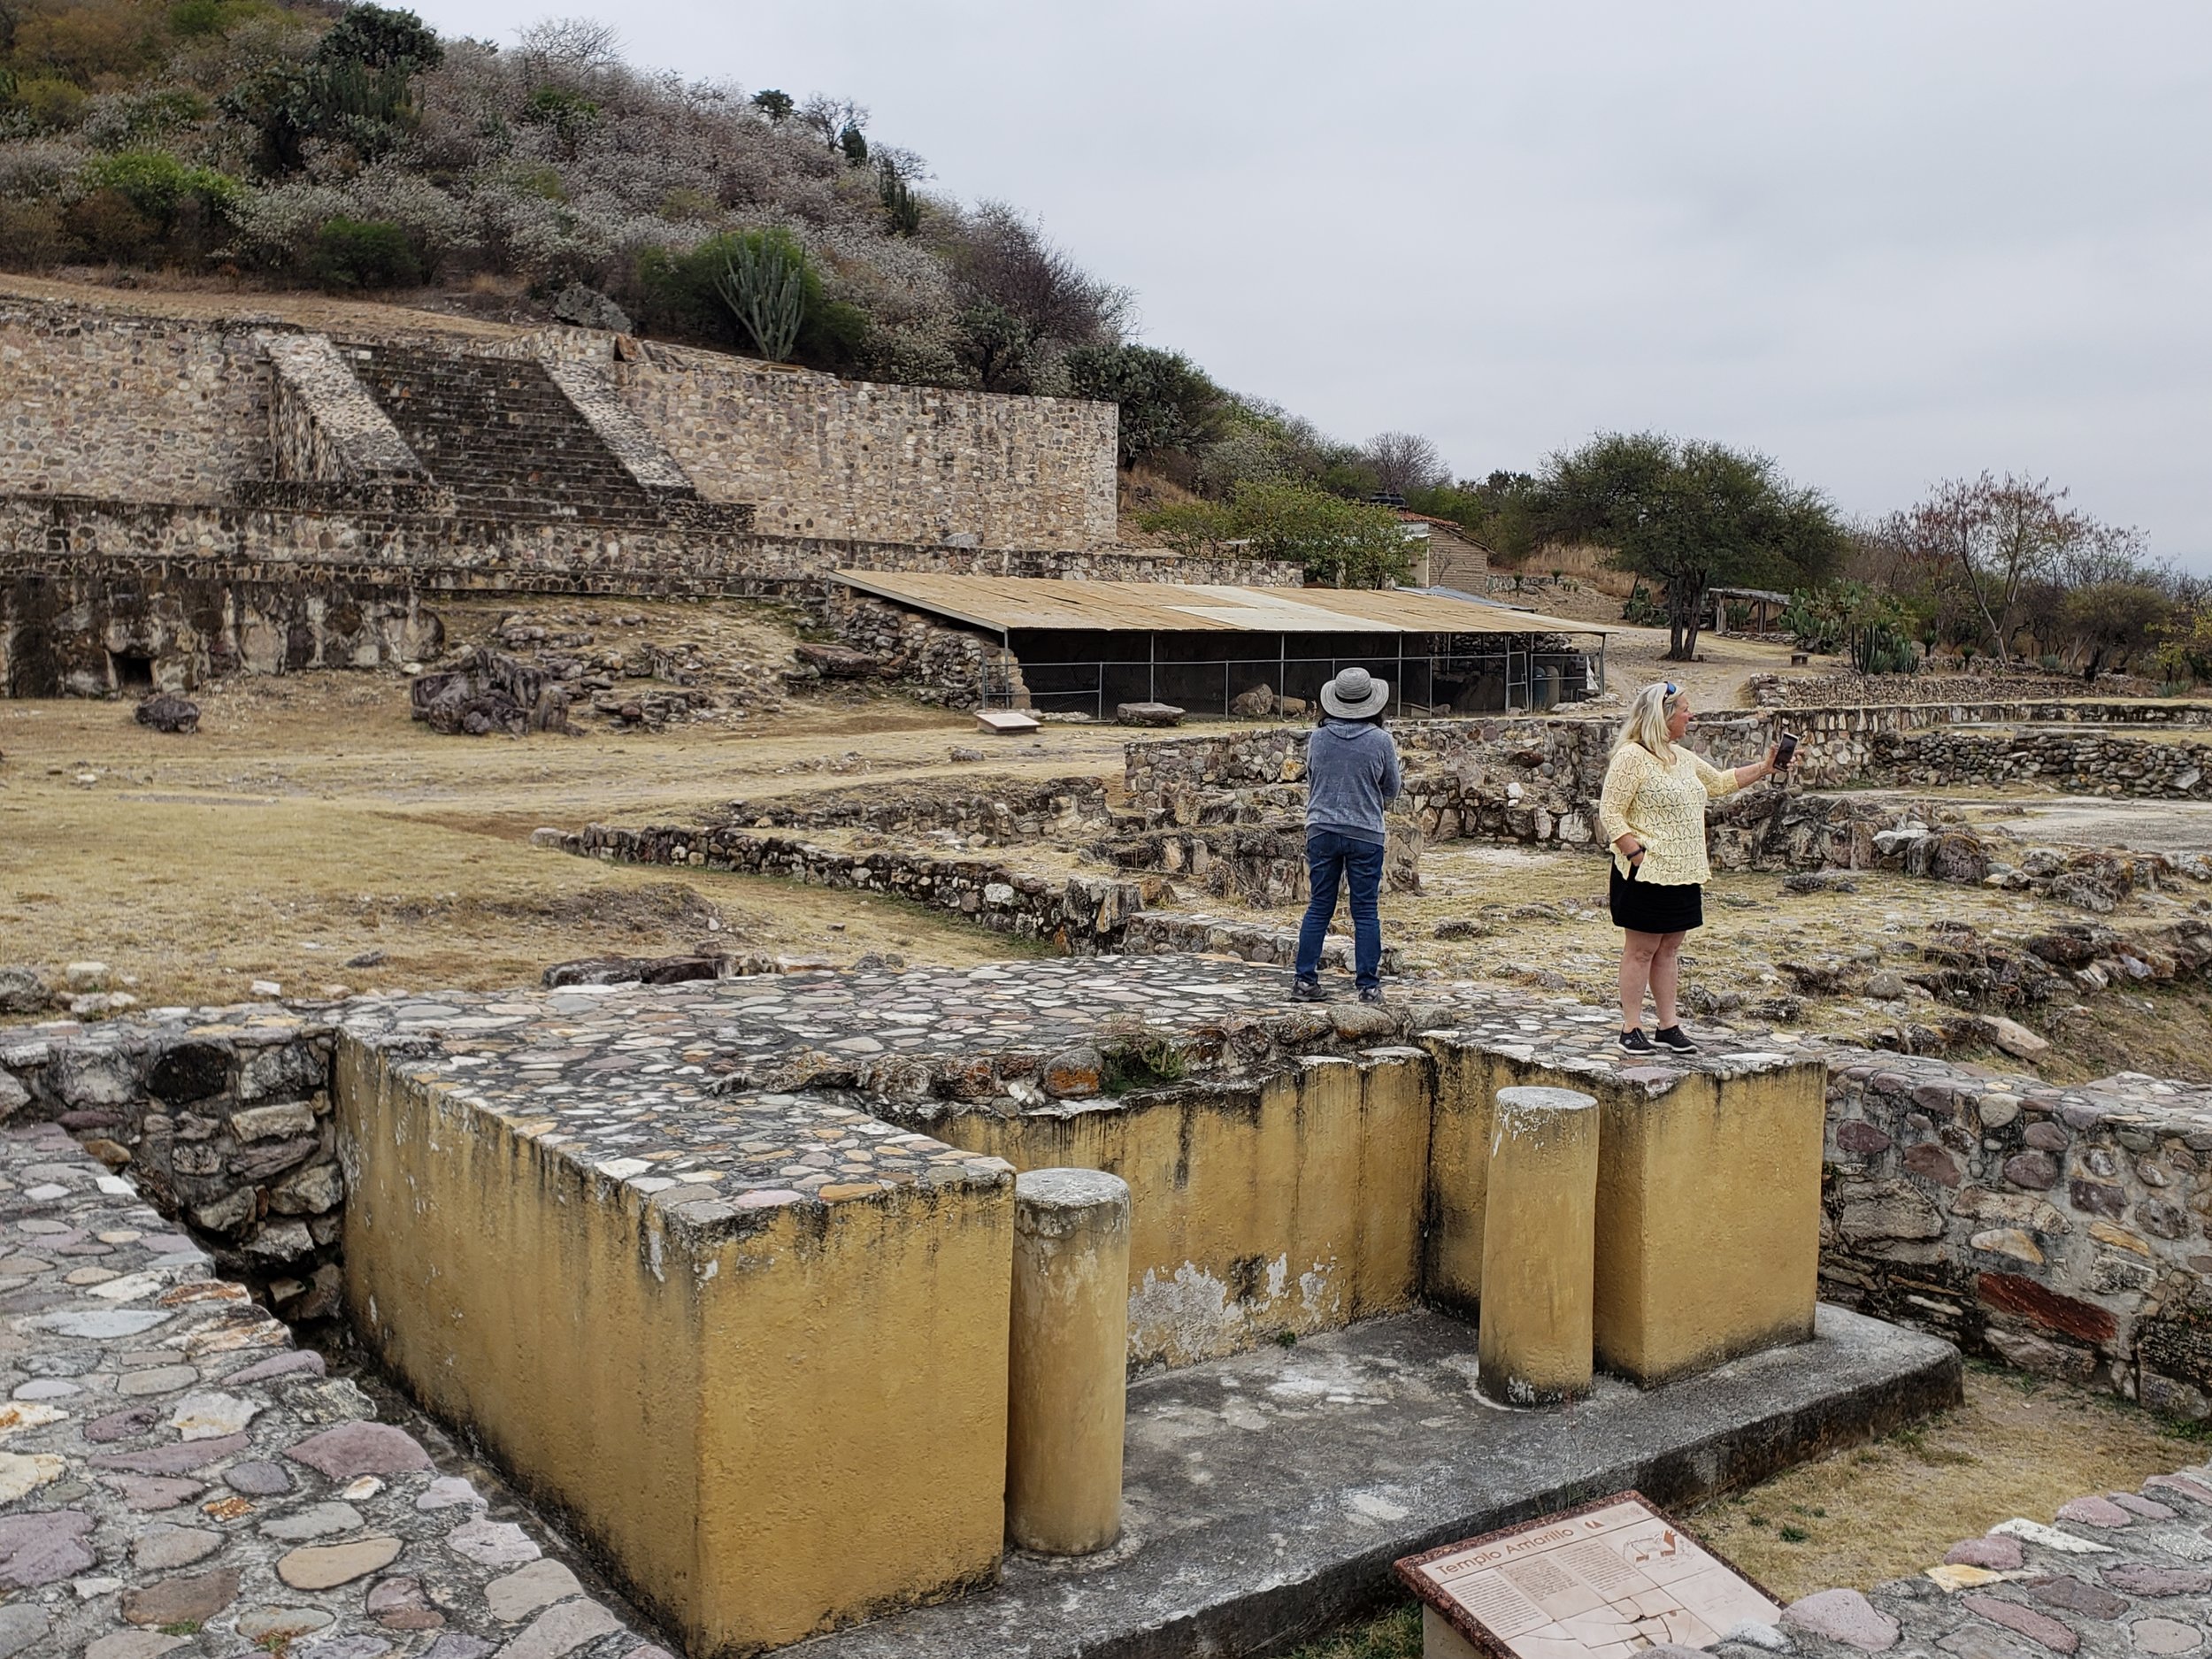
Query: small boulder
[[2014, 1038], [1147, 714], [165, 712], [1819, 881], [22, 991]]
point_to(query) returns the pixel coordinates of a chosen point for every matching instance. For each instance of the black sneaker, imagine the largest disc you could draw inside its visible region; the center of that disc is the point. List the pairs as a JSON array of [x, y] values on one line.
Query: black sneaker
[[1372, 993], [1307, 991], [1674, 1038], [1636, 1043]]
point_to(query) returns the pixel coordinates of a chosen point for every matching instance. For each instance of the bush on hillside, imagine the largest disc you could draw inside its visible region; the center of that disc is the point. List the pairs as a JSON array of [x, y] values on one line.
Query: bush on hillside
[[352, 253], [1335, 541], [682, 293]]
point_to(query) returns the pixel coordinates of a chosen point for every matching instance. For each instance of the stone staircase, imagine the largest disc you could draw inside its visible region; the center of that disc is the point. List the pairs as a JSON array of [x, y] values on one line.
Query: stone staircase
[[504, 441]]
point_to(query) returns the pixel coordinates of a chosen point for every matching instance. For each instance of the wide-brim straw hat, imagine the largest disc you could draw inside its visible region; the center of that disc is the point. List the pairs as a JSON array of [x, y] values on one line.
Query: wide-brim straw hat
[[1356, 694]]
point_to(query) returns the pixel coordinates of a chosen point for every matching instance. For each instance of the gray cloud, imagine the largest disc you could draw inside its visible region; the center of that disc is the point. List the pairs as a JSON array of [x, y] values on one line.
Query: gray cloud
[[1886, 242]]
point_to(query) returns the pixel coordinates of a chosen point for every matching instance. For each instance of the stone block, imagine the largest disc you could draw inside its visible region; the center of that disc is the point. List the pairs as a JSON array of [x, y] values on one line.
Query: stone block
[[1707, 1217], [760, 1472]]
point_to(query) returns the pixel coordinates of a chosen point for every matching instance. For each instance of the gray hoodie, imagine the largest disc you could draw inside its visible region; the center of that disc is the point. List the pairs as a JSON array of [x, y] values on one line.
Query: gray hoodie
[[1351, 775]]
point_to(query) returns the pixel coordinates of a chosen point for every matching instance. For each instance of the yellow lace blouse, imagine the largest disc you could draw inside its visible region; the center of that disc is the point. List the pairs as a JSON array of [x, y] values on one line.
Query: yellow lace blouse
[[1662, 805]]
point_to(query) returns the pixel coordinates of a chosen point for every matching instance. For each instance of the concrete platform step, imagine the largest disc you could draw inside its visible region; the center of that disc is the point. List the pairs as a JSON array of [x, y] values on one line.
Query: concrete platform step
[[1266, 1495]]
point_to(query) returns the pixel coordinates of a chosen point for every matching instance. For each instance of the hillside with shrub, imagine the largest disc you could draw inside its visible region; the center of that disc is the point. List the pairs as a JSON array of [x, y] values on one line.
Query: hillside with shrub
[[351, 149]]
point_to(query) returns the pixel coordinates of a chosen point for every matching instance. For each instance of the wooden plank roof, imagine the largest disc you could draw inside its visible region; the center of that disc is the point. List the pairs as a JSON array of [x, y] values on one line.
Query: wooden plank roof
[[1007, 603]]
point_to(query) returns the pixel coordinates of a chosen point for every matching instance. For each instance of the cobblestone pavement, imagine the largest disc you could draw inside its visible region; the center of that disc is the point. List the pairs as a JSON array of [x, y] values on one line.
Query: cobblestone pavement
[[737, 1091], [2118, 1574], [175, 1476]]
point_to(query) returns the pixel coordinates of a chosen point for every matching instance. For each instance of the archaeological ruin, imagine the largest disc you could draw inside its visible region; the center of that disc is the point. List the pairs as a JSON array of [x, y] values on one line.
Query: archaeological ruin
[[1091, 1298]]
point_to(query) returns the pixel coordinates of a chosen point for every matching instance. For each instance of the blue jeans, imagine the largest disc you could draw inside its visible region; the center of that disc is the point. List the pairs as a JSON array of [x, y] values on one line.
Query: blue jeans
[[1329, 858]]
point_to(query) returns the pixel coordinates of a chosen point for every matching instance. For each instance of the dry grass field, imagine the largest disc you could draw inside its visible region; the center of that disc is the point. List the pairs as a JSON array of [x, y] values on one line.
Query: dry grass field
[[309, 822]]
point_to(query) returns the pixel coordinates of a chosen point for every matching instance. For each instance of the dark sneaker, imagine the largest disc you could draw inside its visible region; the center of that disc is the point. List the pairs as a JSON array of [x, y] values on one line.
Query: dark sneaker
[[1674, 1038], [1307, 991], [1636, 1043], [1372, 993]]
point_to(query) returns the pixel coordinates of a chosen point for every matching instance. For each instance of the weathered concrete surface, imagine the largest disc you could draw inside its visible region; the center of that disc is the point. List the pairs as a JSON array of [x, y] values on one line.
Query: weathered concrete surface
[[1267, 1495]]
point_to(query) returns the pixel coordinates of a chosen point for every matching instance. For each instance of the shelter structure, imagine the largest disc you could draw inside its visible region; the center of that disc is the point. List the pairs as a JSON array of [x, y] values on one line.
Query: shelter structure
[[1085, 646]]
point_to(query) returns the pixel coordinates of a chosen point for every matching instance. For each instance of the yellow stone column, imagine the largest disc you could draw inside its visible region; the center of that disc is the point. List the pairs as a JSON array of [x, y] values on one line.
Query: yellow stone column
[[1066, 1387], [1539, 1247]]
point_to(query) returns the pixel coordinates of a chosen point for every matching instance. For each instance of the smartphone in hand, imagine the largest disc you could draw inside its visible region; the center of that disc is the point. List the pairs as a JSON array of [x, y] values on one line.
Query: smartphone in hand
[[1785, 752]]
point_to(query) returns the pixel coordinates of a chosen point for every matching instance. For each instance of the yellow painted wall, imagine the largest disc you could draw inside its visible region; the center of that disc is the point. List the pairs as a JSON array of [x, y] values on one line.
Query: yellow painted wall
[[1292, 1206], [1708, 1220], [767, 1435]]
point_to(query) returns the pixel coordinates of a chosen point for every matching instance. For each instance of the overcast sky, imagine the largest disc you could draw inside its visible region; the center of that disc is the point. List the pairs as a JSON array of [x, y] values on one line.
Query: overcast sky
[[1887, 242]]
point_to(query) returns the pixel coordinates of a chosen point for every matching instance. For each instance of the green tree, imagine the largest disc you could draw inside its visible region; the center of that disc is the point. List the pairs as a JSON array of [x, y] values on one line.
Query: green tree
[[777, 106], [2112, 621], [1347, 543], [854, 142], [1165, 399], [356, 89], [1693, 516]]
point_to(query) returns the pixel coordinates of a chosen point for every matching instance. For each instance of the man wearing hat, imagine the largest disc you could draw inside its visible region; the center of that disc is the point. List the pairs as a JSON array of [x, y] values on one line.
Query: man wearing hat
[[1351, 774]]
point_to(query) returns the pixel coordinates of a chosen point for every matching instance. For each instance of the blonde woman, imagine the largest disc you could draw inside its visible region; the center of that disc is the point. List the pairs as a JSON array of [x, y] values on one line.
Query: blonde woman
[[1653, 815]]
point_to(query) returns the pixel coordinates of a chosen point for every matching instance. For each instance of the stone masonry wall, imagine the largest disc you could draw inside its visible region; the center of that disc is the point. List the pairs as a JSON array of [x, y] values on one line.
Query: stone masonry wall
[[821, 457], [223, 1118], [2078, 762], [104, 403], [2059, 1229], [1085, 917], [69, 633], [1846, 742], [57, 533], [324, 428]]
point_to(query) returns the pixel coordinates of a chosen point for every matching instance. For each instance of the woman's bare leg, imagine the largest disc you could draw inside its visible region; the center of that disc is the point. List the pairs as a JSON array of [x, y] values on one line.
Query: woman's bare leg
[[1637, 952], [1666, 976]]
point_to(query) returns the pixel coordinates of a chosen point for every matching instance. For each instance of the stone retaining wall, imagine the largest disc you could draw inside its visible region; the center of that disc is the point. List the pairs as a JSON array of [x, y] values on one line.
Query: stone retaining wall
[[221, 1116], [89, 633], [2058, 1229], [99, 404], [2086, 762], [821, 457], [442, 552]]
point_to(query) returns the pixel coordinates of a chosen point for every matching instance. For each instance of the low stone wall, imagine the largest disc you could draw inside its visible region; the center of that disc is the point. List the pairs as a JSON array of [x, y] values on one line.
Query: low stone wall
[[2061, 1230], [1085, 916], [223, 1119], [1008, 810], [1850, 742], [2086, 762], [1563, 756]]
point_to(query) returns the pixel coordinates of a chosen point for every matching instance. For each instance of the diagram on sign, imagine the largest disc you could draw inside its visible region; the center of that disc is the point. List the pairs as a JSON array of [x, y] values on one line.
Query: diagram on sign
[[1605, 1581]]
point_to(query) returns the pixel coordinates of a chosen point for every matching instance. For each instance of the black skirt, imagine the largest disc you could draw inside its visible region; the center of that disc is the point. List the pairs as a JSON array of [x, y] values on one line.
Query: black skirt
[[1649, 907]]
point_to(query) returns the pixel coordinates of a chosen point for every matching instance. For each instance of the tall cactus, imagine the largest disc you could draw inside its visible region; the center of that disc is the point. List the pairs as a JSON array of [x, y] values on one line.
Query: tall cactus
[[764, 282]]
